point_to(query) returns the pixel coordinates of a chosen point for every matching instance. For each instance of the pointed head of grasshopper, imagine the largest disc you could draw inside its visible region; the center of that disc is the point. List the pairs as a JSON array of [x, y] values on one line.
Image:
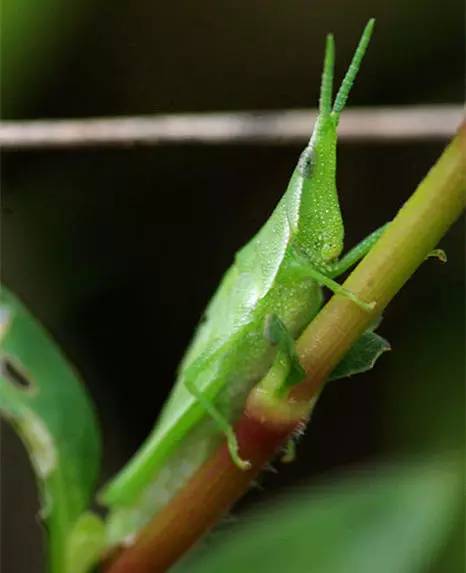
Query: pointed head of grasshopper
[[320, 227]]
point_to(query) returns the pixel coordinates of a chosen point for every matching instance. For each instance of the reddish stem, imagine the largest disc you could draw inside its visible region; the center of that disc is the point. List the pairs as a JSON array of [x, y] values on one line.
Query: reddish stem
[[215, 487]]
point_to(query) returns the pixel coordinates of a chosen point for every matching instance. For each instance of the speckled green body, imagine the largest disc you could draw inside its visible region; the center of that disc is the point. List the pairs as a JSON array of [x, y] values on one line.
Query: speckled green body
[[229, 353]]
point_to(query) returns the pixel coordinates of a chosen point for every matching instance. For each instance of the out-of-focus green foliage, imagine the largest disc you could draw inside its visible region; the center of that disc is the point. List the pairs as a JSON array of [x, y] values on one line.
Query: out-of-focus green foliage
[[48, 406], [392, 520], [34, 37]]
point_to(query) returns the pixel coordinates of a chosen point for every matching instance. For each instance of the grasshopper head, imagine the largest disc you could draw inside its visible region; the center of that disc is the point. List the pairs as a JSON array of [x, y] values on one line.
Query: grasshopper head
[[321, 224], [320, 221]]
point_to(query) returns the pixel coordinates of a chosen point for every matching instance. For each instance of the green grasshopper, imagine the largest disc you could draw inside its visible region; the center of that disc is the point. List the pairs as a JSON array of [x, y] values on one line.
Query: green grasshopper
[[266, 298]]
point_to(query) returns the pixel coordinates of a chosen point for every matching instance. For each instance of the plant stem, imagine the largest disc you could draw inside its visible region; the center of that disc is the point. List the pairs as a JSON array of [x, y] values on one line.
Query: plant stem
[[197, 507], [412, 235], [267, 422]]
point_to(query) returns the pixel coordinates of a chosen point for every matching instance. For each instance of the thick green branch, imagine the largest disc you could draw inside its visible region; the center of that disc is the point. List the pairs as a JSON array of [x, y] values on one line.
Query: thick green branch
[[268, 421]]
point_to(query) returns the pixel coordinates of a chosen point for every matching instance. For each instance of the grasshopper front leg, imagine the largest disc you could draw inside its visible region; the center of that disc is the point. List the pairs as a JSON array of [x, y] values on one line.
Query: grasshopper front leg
[[336, 288], [361, 250], [322, 273], [356, 253]]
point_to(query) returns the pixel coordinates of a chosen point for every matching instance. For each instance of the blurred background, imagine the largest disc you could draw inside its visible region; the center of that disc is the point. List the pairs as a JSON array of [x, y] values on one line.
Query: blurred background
[[118, 251]]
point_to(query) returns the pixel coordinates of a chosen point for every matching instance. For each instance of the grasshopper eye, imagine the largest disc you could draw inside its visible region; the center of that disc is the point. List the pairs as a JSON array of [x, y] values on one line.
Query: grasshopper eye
[[305, 162]]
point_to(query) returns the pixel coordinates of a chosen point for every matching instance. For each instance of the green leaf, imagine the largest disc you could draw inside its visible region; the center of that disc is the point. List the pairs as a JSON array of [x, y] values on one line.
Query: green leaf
[[361, 356], [393, 520], [47, 404], [35, 35]]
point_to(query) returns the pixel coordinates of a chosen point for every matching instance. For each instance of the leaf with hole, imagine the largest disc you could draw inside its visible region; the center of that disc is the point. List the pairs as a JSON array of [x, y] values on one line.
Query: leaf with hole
[[46, 403]]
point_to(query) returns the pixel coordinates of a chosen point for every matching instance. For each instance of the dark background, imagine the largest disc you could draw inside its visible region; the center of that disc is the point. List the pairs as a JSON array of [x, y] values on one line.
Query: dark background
[[118, 251]]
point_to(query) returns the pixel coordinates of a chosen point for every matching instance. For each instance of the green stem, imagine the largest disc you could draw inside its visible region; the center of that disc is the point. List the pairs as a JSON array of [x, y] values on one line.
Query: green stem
[[416, 230]]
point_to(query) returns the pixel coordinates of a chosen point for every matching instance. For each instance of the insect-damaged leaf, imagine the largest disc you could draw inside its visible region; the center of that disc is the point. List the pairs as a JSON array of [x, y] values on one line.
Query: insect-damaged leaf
[[361, 356], [47, 405]]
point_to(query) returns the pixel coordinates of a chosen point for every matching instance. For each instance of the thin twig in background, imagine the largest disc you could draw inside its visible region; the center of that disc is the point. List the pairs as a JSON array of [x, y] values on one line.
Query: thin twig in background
[[385, 124]]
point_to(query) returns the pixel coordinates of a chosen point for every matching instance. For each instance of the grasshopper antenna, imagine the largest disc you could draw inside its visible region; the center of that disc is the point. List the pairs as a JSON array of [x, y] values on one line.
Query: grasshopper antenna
[[353, 69], [325, 101], [326, 87]]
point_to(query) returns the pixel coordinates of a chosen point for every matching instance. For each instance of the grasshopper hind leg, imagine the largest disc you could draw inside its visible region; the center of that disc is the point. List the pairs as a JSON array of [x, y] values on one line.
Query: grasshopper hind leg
[[356, 253], [222, 423]]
